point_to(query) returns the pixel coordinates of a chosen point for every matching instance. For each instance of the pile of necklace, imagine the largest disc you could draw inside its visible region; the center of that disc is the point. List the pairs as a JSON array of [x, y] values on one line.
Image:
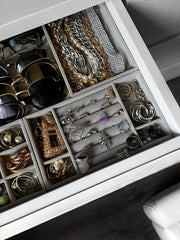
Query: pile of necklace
[[81, 53]]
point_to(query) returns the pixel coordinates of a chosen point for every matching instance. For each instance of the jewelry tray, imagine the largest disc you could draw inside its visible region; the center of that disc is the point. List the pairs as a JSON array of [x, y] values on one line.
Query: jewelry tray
[[91, 100], [98, 157]]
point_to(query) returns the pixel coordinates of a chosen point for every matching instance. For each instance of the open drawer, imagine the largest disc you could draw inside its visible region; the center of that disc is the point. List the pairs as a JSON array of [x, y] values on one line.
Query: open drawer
[[128, 120]]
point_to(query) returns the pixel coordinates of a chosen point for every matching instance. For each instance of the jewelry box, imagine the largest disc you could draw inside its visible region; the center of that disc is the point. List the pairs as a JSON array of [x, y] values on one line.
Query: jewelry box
[[118, 118]]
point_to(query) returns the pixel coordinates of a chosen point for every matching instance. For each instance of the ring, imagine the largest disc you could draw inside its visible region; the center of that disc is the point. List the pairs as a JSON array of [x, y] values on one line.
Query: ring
[[68, 119], [133, 141], [119, 112], [84, 115], [92, 131], [109, 94], [55, 168], [60, 169], [123, 126]]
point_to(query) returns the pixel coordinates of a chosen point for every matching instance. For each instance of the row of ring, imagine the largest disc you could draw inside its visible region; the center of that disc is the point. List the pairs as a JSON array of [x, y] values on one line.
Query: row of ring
[[76, 134], [68, 116]]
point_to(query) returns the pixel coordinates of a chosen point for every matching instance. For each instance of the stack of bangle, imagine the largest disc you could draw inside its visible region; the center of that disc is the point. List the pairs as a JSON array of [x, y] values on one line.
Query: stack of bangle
[[18, 161], [25, 183]]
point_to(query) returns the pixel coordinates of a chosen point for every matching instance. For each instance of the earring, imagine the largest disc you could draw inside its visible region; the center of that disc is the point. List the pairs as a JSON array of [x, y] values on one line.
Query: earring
[[142, 111], [11, 137]]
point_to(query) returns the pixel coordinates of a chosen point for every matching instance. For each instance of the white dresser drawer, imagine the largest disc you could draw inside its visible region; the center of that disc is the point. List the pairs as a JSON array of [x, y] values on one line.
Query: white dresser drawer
[[108, 171]]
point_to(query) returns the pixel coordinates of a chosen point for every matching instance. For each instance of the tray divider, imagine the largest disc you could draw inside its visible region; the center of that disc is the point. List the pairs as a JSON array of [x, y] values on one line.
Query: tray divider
[[124, 109], [57, 60], [65, 140]]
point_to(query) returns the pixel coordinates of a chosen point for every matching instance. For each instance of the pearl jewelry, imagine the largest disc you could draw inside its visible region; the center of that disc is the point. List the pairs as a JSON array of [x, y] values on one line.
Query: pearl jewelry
[[18, 139], [7, 137]]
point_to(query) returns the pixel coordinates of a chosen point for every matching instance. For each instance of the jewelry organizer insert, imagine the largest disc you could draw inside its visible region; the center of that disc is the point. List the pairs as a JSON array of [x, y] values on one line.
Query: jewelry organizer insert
[[20, 177], [109, 113], [100, 128]]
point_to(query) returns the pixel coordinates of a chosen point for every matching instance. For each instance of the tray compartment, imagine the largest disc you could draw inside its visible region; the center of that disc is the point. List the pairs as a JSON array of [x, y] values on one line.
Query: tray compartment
[[25, 186], [31, 124], [59, 171], [12, 136], [4, 196], [6, 175], [88, 116], [23, 161], [82, 35], [81, 116]]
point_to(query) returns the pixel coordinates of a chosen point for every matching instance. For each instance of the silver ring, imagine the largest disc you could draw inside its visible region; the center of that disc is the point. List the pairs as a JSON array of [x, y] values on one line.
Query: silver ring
[[84, 115], [123, 127], [68, 119]]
